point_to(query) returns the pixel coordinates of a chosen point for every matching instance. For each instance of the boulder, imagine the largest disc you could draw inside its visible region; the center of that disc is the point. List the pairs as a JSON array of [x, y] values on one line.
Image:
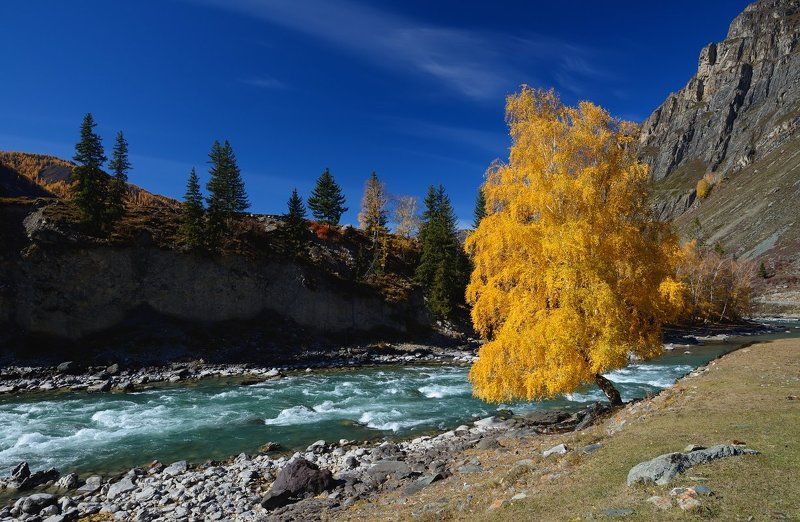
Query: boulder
[[33, 504], [176, 468], [545, 417], [69, 481], [560, 449], [103, 386], [296, 480], [118, 488], [68, 367], [664, 468]]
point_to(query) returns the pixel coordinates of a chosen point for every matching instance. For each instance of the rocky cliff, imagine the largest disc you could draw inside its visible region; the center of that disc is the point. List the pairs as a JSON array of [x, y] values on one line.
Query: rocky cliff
[[60, 284], [743, 102], [735, 125]]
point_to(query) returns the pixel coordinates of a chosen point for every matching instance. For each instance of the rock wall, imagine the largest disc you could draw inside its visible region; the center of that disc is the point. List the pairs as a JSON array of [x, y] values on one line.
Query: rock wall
[[52, 285], [743, 102]]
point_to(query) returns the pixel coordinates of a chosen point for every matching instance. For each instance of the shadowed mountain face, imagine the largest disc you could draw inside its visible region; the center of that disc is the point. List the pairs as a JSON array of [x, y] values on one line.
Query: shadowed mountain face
[[735, 124]]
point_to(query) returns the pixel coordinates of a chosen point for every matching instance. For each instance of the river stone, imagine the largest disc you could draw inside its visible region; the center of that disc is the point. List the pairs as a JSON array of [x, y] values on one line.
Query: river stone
[[298, 478], [176, 468], [67, 367], [118, 488], [664, 468], [422, 483], [387, 467], [545, 417], [20, 472], [560, 449], [488, 422], [36, 502], [69, 481], [99, 387]]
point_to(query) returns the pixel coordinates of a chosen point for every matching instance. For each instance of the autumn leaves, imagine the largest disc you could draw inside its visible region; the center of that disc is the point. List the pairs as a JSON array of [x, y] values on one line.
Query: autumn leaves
[[571, 271]]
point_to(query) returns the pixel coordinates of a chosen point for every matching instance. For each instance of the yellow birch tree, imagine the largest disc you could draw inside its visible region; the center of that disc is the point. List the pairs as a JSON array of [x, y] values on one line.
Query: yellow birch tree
[[572, 273]]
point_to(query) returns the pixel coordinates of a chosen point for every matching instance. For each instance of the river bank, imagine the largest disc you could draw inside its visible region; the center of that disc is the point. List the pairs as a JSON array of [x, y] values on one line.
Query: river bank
[[360, 469], [750, 397], [78, 375]]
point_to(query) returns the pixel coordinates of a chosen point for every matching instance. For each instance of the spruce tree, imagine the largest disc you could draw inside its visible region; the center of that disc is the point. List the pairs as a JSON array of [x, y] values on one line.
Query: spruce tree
[[226, 192], [443, 267], [480, 209], [90, 183], [327, 201], [192, 219], [296, 227], [118, 185]]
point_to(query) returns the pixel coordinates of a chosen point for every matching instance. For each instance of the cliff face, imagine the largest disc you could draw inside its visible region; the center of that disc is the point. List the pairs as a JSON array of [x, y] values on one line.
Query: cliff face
[[736, 123], [57, 284], [743, 102]]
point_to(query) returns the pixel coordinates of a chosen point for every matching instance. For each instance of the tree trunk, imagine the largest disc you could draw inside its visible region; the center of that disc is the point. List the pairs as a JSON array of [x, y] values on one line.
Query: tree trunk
[[608, 388]]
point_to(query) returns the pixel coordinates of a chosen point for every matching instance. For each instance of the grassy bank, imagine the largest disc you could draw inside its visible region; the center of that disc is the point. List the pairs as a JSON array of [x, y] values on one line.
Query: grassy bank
[[748, 396]]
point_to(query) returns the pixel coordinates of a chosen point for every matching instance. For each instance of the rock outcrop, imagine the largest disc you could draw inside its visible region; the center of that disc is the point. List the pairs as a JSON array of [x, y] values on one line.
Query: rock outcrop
[[58, 284], [736, 123], [743, 102], [662, 469]]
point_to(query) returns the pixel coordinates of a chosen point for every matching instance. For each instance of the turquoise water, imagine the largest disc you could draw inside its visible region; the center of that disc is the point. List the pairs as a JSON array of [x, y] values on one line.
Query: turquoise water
[[215, 419]]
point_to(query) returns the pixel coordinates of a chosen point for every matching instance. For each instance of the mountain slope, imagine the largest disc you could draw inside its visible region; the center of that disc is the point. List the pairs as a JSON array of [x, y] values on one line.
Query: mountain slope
[[735, 124], [53, 177]]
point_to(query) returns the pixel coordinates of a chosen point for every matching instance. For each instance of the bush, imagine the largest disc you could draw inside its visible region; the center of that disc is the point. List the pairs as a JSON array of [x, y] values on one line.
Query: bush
[[703, 188], [717, 287], [325, 231]]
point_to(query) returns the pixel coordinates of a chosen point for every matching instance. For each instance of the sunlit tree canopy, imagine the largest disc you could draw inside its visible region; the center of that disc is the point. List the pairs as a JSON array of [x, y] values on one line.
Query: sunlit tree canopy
[[571, 271]]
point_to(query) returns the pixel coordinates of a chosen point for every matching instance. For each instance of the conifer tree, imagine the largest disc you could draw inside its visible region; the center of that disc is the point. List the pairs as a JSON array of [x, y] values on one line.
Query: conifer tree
[[90, 187], [442, 269], [118, 185], [192, 219], [226, 192], [296, 227], [480, 209], [373, 215], [327, 201]]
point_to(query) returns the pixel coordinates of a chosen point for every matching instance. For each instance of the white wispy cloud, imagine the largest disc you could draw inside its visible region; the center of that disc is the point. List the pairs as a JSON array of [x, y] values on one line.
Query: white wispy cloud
[[487, 141], [476, 64]]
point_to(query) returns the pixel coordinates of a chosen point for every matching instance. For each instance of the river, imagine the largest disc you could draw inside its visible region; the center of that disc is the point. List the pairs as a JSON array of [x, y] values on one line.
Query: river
[[218, 418]]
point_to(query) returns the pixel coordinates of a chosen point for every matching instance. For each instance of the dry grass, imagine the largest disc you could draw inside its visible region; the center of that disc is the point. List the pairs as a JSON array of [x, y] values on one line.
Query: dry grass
[[743, 397]]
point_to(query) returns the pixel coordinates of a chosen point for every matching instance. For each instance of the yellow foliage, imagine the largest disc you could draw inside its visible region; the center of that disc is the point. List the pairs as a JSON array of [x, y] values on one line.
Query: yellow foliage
[[717, 288], [703, 188], [572, 273]]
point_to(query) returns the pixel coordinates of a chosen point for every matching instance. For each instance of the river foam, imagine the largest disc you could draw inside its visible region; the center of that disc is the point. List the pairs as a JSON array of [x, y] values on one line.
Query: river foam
[[215, 419]]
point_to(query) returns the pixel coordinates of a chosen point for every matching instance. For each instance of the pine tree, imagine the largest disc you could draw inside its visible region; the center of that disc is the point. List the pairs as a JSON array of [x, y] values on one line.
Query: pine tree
[[192, 219], [762, 271], [118, 185], [373, 215], [226, 192], [327, 201], [90, 187], [442, 270], [296, 227], [480, 209]]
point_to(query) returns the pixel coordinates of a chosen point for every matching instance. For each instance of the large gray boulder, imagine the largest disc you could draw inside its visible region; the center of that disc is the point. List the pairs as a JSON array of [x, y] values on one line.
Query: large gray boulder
[[664, 468], [296, 480], [118, 488]]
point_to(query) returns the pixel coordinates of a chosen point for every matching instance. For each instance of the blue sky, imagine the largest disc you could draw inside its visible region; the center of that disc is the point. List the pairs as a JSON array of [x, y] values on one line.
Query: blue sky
[[413, 89]]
